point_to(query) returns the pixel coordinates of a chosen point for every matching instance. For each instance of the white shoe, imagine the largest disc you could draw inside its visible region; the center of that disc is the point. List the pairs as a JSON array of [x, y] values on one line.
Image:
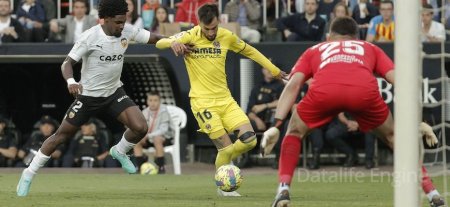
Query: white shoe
[[269, 139], [23, 187], [227, 194]]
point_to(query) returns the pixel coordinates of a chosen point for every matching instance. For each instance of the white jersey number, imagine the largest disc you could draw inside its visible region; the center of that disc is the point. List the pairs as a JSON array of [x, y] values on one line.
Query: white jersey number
[[349, 47], [331, 48]]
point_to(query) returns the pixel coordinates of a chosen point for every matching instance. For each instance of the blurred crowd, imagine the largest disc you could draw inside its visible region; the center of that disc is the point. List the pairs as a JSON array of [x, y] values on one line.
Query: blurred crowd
[[295, 20]]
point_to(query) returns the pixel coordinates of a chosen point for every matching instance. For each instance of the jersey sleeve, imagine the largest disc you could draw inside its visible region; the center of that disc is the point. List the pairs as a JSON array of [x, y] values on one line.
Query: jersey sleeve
[[383, 63], [80, 48], [303, 65], [139, 35], [235, 43], [184, 37]]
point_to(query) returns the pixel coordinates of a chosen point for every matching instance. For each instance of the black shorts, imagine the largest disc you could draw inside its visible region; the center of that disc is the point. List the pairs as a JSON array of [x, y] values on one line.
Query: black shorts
[[84, 107]]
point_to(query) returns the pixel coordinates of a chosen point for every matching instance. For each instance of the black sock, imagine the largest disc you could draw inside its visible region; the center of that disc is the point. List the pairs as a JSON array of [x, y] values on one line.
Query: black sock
[[159, 161], [140, 160]]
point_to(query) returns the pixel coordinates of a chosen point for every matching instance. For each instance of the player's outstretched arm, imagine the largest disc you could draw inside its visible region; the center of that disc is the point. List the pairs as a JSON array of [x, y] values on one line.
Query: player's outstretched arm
[[289, 95], [67, 72], [154, 38], [255, 55]]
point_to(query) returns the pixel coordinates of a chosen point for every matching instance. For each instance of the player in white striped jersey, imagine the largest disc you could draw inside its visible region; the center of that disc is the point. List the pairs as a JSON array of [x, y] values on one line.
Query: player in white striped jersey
[[102, 49]]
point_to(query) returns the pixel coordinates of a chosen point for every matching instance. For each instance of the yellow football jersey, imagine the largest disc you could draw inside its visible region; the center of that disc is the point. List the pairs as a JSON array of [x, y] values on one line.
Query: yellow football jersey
[[206, 64]]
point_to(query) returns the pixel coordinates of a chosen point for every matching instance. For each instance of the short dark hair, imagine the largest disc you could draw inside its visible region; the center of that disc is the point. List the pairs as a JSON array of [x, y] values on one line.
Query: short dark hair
[[153, 93], [111, 8], [387, 2], [85, 4], [427, 7], [344, 26], [208, 12]]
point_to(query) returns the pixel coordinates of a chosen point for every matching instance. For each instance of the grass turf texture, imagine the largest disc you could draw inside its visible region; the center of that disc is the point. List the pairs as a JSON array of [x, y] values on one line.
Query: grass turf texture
[[189, 190]]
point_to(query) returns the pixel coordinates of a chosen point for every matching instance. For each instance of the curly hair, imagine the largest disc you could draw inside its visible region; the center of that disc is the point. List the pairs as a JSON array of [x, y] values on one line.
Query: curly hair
[[111, 8]]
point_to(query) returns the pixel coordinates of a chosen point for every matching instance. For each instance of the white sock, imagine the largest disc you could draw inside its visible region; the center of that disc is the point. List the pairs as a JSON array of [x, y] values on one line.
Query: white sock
[[431, 194], [281, 187], [124, 146], [38, 161]]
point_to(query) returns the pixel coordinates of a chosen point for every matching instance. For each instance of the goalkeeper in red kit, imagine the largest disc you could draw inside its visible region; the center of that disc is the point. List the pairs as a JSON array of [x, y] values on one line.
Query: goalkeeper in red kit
[[342, 71]]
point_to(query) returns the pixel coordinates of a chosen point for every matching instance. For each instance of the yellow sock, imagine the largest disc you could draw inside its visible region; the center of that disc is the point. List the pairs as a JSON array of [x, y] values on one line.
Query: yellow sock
[[224, 156], [241, 147]]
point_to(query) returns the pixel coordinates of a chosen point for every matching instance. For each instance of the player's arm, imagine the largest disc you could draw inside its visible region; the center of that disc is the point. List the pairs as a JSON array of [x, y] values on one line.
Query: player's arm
[[178, 43], [67, 72], [288, 97], [154, 38], [255, 55]]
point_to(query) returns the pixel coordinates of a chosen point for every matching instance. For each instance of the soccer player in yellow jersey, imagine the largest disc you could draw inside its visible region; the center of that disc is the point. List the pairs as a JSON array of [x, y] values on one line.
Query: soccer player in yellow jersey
[[205, 49]]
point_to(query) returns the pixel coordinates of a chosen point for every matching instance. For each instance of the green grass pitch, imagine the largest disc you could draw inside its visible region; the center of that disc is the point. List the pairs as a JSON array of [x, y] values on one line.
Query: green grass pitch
[[191, 190]]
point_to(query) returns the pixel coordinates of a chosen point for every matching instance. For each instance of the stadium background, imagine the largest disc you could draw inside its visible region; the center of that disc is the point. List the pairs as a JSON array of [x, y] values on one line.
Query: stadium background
[[32, 85]]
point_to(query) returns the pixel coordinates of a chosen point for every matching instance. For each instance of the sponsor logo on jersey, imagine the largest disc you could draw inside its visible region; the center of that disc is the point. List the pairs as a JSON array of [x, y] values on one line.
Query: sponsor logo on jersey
[[124, 42], [208, 50], [121, 98], [110, 58]]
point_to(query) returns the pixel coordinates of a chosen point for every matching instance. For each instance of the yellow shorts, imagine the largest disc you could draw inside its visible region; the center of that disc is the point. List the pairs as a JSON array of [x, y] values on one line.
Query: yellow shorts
[[217, 116]]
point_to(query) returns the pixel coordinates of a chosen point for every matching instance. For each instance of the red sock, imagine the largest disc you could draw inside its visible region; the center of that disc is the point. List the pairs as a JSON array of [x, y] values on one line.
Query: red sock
[[427, 184], [290, 150]]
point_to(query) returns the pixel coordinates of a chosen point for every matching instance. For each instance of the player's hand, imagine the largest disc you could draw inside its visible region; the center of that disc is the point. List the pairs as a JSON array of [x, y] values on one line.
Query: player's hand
[[258, 108], [282, 76], [189, 48], [269, 139], [352, 126], [428, 133], [178, 48], [75, 89]]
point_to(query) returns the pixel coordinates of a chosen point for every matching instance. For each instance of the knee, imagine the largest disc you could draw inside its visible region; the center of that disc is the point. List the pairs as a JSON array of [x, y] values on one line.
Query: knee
[[248, 138], [140, 129]]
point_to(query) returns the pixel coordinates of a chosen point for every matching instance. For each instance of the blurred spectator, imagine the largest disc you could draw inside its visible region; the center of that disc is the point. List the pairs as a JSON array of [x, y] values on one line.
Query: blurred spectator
[[432, 31], [187, 10], [341, 128], [8, 144], [381, 27], [71, 27], [49, 8], [159, 131], [316, 138], [340, 10], [325, 8], [362, 14], [264, 98], [31, 15], [271, 10], [299, 6], [248, 14], [162, 16], [47, 126], [88, 149], [132, 16], [148, 12], [306, 26], [10, 29]]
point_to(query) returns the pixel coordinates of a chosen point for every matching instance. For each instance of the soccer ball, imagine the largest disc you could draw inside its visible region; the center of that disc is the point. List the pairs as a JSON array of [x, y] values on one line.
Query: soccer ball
[[228, 178], [148, 169]]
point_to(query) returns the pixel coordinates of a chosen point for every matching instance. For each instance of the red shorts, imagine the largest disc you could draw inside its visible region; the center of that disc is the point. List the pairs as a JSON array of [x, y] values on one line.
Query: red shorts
[[321, 104]]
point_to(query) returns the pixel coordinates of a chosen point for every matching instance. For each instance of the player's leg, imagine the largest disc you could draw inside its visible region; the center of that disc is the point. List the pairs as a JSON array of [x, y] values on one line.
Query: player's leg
[[158, 142], [387, 132], [126, 111], [289, 156], [236, 121], [133, 119], [76, 115], [138, 151]]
